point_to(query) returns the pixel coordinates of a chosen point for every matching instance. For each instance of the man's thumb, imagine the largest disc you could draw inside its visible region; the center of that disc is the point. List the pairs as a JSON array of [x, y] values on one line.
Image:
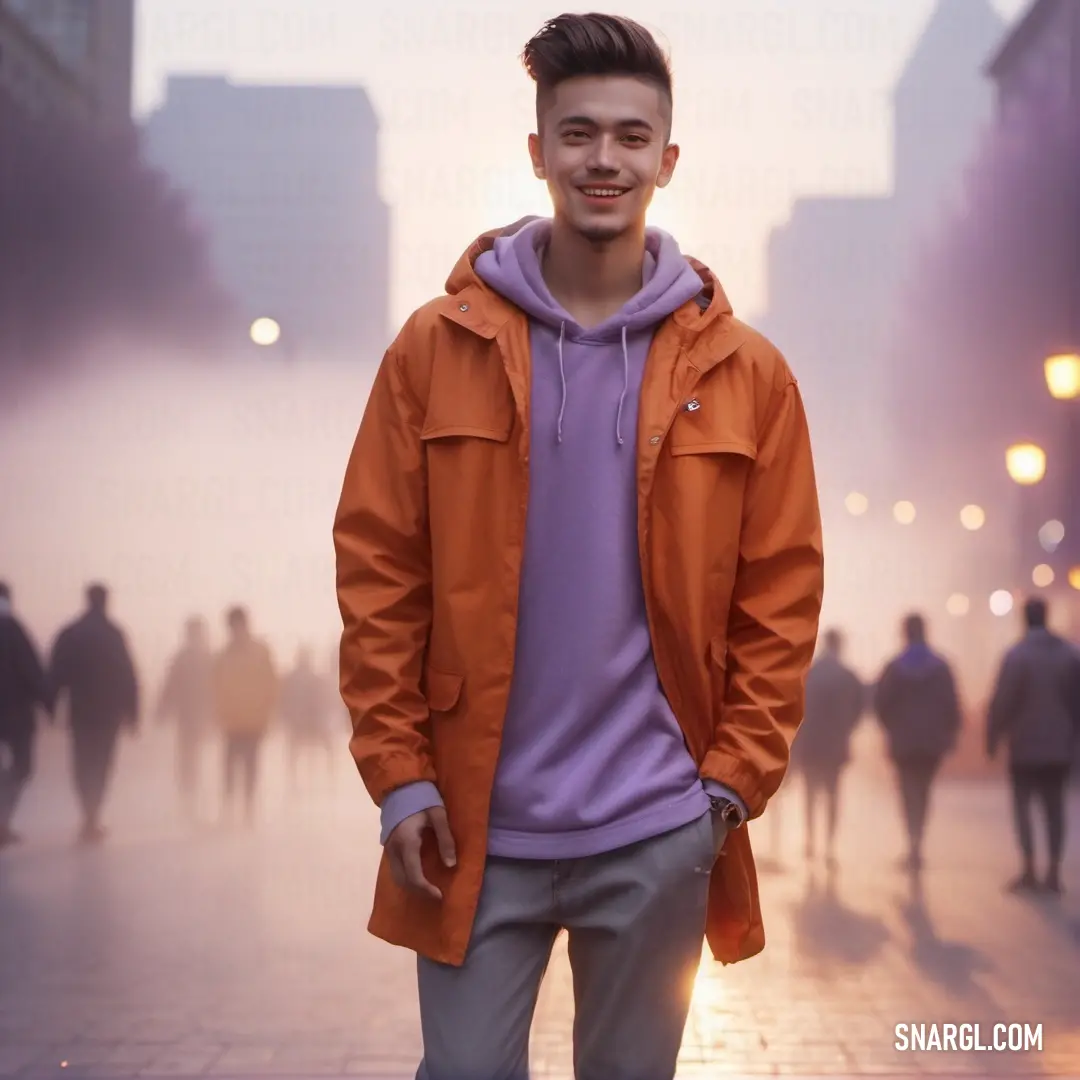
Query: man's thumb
[[443, 837]]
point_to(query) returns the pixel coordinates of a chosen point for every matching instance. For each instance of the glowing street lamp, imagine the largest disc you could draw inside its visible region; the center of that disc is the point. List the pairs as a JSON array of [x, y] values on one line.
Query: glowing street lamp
[[1062, 373], [1026, 463], [265, 332]]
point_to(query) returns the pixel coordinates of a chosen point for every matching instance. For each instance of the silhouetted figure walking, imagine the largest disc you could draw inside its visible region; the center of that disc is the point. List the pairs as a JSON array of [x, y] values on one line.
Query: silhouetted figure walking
[[835, 702], [187, 700], [304, 712], [245, 696], [1035, 710], [23, 689], [917, 704], [92, 665]]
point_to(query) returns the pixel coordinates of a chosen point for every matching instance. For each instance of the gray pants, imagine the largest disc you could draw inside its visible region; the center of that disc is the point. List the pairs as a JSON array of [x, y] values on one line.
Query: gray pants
[[636, 923]]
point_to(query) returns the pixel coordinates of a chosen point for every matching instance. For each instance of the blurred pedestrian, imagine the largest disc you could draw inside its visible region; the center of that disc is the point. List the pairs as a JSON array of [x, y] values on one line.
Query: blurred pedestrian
[[304, 713], [917, 704], [187, 700], [245, 695], [835, 702], [91, 664], [1035, 711], [23, 690]]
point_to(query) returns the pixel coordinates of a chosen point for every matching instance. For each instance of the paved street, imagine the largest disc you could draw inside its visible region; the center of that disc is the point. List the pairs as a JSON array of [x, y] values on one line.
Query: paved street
[[172, 952]]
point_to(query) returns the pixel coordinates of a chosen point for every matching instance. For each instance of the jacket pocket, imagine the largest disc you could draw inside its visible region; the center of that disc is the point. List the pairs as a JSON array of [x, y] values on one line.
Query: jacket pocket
[[683, 447], [442, 689]]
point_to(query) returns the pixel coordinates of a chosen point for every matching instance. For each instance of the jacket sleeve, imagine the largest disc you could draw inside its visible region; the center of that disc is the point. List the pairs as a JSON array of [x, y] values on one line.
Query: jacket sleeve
[[383, 553], [775, 608]]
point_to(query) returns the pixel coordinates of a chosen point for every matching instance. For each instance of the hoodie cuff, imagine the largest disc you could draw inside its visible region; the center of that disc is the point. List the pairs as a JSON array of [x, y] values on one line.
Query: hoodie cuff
[[719, 791], [405, 801]]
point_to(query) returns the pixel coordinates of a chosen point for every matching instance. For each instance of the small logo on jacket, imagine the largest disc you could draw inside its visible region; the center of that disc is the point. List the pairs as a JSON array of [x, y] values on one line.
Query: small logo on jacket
[[692, 405]]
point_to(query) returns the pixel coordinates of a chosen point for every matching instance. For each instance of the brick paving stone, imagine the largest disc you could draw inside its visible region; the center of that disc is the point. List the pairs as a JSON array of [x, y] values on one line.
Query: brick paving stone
[[224, 953]]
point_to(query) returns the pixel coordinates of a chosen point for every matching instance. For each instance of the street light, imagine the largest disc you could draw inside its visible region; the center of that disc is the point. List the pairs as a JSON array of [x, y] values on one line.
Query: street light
[[265, 331], [1026, 463], [1063, 375]]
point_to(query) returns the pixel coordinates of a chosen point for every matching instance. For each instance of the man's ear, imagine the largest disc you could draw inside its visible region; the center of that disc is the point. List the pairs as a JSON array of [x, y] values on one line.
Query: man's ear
[[537, 156]]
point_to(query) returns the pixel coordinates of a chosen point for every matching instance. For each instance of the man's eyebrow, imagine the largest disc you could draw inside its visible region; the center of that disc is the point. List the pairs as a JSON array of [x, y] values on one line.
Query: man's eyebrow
[[588, 121]]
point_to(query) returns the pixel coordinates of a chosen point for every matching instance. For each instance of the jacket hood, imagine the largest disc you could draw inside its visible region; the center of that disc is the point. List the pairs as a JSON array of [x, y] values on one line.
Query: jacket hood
[[709, 302]]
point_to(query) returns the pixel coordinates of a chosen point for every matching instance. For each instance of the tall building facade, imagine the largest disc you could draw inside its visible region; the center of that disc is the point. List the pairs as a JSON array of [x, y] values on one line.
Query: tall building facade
[[71, 58], [284, 182]]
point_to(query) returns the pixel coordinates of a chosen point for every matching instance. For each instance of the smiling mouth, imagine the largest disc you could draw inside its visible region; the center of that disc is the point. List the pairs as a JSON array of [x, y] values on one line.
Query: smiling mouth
[[603, 192]]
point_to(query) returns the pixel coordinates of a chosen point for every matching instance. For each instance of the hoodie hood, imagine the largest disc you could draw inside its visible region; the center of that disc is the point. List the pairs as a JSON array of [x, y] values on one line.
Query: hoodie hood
[[511, 266]]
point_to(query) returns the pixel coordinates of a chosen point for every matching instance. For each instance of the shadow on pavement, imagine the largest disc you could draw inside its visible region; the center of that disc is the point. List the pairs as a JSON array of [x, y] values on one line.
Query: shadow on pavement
[[951, 965], [826, 929]]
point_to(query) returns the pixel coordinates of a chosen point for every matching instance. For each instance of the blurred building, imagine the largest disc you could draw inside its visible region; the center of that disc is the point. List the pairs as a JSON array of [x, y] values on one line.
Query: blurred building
[[71, 58], [1038, 65], [284, 181], [835, 272]]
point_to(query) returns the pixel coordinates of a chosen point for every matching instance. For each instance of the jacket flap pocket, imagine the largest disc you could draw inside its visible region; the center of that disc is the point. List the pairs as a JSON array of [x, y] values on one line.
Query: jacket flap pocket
[[715, 446], [494, 433], [441, 689]]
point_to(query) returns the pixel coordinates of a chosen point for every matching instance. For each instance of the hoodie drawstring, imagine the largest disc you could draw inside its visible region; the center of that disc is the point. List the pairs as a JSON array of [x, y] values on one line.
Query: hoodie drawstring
[[562, 376], [622, 396], [625, 385]]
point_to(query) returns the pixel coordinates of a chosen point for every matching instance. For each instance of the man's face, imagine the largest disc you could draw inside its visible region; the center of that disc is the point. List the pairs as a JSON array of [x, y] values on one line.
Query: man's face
[[603, 150]]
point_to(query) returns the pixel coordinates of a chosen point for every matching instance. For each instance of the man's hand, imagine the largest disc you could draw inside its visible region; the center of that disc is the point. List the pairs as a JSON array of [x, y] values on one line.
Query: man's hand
[[403, 849], [720, 832]]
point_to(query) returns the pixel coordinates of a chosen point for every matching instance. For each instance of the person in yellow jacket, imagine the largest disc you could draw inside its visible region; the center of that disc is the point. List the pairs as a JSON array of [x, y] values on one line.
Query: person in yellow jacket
[[245, 697]]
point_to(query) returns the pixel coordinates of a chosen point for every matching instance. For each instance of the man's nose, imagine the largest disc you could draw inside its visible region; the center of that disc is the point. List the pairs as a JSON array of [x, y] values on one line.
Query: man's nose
[[602, 156]]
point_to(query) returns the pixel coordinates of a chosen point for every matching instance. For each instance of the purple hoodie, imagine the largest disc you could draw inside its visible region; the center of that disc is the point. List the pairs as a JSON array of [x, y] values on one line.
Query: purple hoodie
[[592, 756]]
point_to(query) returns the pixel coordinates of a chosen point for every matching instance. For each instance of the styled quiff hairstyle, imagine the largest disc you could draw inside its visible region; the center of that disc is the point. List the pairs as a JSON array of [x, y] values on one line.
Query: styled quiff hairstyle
[[569, 46]]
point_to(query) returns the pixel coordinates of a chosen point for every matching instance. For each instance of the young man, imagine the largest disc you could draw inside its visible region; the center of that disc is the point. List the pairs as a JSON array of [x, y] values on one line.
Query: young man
[[1035, 710], [917, 703], [580, 573]]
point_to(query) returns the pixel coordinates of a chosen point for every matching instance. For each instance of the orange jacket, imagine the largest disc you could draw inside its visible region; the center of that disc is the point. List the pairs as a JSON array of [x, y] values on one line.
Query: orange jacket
[[429, 534]]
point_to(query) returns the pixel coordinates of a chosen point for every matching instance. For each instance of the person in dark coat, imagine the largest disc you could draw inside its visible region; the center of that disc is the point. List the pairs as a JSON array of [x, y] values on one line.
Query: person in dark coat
[[187, 700], [23, 690], [1035, 712], [92, 666], [835, 702], [917, 703]]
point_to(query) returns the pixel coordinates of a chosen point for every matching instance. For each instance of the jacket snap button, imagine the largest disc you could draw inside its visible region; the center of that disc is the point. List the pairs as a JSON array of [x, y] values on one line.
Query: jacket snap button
[[655, 439], [464, 307]]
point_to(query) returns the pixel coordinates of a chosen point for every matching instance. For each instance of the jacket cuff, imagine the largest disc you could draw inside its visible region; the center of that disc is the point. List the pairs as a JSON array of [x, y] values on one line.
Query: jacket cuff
[[716, 790], [405, 801]]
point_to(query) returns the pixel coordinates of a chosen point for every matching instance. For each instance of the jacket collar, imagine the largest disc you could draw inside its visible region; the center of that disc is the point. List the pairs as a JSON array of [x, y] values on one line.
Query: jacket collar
[[706, 327]]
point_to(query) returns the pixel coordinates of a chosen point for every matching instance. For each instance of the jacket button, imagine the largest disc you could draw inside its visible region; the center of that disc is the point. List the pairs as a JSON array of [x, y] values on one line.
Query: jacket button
[[655, 439], [463, 307]]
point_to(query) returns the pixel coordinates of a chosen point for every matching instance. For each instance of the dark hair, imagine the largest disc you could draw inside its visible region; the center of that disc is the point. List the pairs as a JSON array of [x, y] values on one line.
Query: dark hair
[[1035, 613], [915, 629], [97, 596], [834, 640], [572, 45]]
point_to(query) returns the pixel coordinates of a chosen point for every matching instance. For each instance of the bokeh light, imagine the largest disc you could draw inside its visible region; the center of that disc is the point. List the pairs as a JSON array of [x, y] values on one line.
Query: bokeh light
[[857, 504], [1042, 576], [1026, 463], [904, 512], [972, 517], [265, 332], [1074, 577], [1051, 535], [958, 604], [1001, 602]]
